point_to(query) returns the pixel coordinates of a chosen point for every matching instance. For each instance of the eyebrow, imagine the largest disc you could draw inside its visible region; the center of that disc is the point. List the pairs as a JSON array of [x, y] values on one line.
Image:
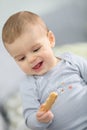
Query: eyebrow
[[36, 45]]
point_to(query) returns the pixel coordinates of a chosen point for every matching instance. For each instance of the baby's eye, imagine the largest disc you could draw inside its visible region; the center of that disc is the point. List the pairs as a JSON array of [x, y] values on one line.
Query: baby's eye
[[35, 50], [21, 59]]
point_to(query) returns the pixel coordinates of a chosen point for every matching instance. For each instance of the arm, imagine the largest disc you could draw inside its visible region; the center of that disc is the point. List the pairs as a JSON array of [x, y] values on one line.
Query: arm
[[31, 105]]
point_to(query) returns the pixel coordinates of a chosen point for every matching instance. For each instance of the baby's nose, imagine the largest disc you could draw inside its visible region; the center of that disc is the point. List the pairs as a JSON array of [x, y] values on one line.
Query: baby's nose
[[31, 58]]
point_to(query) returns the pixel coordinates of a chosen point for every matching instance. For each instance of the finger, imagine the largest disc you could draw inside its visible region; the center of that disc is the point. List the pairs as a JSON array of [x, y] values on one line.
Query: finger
[[40, 113], [46, 117]]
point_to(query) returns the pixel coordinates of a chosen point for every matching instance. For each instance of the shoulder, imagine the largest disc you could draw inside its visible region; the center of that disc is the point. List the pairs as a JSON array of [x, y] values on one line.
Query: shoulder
[[74, 59], [68, 56]]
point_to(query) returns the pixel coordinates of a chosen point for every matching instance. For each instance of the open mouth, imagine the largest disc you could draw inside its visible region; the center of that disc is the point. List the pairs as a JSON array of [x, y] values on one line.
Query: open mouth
[[36, 67]]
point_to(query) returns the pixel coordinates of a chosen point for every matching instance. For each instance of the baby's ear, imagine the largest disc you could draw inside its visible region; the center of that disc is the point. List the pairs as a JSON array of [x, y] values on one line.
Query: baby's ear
[[51, 38]]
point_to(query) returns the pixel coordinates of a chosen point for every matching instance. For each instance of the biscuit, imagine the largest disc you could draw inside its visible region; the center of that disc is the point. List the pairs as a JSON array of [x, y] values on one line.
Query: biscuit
[[49, 102]]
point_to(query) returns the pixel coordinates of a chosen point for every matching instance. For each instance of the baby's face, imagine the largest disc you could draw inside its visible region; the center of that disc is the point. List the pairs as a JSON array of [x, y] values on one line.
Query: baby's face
[[32, 51]]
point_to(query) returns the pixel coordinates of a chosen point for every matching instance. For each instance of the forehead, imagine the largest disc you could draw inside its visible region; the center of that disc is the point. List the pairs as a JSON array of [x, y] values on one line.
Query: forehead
[[34, 28], [32, 35]]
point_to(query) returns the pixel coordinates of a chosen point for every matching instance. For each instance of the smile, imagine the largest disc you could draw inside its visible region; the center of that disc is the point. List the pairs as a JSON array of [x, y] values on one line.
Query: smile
[[38, 66]]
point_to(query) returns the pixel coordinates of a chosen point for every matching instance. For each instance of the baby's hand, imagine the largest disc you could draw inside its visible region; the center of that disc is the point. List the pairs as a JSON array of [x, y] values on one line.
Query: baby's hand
[[44, 114], [44, 117]]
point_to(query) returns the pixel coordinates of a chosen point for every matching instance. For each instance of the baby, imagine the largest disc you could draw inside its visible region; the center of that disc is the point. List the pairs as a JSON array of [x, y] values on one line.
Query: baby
[[29, 41]]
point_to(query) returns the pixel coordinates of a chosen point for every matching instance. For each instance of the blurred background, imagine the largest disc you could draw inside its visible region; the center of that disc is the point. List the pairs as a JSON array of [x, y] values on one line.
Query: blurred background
[[66, 18]]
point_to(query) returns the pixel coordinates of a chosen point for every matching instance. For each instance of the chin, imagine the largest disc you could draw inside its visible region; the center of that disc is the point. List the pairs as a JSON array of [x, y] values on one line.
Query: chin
[[42, 73]]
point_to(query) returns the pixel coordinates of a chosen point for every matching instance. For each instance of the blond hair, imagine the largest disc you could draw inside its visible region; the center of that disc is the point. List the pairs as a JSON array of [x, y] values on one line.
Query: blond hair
[[16, 23]]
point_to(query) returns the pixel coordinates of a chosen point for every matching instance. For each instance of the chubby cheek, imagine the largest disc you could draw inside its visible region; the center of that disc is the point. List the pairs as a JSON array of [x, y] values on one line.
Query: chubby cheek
[[48, 55], [24, 68]]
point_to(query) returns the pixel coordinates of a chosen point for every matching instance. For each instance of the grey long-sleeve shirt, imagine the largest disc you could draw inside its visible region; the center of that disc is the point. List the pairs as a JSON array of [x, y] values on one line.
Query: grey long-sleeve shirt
[[69, 79]]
